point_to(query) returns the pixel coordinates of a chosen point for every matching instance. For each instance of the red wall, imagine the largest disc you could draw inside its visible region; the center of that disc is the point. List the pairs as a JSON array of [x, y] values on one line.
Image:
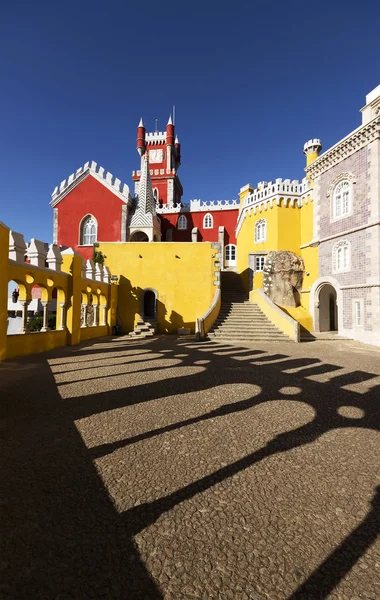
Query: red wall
[[89, 197], [227, 218]]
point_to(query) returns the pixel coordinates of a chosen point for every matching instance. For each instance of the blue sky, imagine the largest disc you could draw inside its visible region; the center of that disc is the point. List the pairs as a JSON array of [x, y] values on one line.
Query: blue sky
[[252, 80]]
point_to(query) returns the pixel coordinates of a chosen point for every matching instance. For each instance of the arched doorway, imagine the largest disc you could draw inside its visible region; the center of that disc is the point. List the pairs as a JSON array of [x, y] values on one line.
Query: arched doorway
[[327, 308], [139, 236], [149, 304]]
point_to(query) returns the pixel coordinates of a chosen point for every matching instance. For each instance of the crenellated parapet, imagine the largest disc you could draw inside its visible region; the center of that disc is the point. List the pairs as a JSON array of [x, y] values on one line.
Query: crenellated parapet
[[197, 205], [155, 137], [171, 208], [281, 192], [91, 168]]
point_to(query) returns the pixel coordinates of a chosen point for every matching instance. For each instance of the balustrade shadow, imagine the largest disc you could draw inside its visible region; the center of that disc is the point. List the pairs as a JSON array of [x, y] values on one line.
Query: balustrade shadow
[[62, 532]]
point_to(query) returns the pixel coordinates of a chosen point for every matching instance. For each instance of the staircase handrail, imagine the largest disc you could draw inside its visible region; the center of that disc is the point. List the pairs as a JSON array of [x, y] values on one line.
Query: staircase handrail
[[211, 315], [286, 323]]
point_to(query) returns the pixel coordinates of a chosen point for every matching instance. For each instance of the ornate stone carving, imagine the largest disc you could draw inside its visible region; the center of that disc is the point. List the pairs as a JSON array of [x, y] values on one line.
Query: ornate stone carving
[[283, 277]]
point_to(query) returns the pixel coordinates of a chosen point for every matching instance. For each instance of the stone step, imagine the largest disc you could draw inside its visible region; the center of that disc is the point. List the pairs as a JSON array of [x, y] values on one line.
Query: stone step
[[246, 327]]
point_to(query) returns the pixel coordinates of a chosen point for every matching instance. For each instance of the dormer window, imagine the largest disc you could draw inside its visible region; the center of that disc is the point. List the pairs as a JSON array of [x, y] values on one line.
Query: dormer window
[[88, 231], [208, 221]]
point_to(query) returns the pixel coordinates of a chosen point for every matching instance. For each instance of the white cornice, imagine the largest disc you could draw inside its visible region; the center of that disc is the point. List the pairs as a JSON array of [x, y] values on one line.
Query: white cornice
[[357, 139], [100, 174]]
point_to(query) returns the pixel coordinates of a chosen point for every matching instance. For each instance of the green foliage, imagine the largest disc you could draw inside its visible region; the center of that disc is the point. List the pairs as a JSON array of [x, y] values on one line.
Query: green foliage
[[52, 321], [35, 324], [98, 257]]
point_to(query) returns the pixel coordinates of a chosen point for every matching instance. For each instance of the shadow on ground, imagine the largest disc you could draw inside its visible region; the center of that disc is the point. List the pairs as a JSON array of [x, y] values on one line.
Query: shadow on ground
[[61, 534]]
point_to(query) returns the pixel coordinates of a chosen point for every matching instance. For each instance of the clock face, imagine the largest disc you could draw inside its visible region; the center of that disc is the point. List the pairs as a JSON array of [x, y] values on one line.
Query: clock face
[[155, 156]]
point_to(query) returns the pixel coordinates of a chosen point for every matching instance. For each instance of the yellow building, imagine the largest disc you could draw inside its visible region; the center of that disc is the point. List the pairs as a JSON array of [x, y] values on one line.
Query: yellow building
[[278, 216]]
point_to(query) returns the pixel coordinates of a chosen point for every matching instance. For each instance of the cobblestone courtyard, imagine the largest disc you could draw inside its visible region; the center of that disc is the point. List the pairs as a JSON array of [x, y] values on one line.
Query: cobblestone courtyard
[[169, 469]]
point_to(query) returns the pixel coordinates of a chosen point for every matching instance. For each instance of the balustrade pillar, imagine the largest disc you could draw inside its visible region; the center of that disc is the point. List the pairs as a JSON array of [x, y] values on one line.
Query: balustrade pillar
[[104, 319], [24, 315], [45, 316], [63, 316], [96, 315], [84, 306]]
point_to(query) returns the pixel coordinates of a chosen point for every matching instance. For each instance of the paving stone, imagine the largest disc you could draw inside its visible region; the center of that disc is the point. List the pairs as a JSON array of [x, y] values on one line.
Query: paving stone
[[163, 468]]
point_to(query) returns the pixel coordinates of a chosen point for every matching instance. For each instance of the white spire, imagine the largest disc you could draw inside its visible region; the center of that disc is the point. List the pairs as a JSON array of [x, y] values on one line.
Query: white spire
[[176, 141], [146, 206], [141, 124], [170, 122]]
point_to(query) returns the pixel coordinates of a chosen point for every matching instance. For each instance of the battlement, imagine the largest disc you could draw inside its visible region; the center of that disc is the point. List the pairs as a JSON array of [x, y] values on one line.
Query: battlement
[[157, 137], [171, 208], [202, 205], [155, 172], [282, 192], [314, 145], [101, 174], [269, 189]]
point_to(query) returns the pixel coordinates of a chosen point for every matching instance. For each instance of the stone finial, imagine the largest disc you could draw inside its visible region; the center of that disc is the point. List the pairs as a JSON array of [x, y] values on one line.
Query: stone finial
[[90, 270], [54, 258], [98, 272], [106, 274], [17, 247], [194, 234], [36, 253]]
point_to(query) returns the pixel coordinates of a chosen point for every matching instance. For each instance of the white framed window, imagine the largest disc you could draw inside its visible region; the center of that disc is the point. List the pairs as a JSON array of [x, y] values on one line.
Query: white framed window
[[260, 231], [259, 262], [88, 231], [182, 222], [342, 199], [230, 255], [231, 252], [208, 221], [342, 257]]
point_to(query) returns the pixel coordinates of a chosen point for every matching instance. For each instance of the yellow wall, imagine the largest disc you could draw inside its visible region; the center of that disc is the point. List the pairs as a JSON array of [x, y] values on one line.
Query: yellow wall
[[182, 273], [288, 228], [71, 288], [283, 233], [309, 254]]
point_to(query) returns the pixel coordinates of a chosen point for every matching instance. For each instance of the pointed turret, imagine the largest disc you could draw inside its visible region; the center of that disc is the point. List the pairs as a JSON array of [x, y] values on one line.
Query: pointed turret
[[178, 151], [141, 138], [169, 143]]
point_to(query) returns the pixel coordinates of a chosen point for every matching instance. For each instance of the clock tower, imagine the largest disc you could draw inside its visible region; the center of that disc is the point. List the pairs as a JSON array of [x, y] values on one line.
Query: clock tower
[[164, 156]]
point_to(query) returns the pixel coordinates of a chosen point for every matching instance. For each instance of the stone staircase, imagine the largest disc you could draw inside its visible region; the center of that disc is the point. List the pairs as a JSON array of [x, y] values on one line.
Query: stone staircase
[[239, 319], [144, 328]]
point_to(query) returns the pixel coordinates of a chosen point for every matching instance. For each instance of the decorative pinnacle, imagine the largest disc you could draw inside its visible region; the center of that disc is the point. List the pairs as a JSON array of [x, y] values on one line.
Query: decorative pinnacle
[[141, 124], [170, 122], [176, 141]]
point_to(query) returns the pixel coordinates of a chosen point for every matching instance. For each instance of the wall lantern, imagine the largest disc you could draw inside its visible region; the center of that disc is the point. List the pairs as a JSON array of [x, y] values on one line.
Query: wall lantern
[[114, 278]]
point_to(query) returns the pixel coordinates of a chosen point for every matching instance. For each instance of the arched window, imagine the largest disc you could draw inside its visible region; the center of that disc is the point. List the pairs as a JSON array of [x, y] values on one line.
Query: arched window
[[208, 221], [342, 199], [342, 257], [182, 222], [155, 194], [260, 231], [88, 231]]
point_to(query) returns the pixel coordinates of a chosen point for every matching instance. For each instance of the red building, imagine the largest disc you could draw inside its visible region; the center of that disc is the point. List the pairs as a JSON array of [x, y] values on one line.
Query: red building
[[92, 205]]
